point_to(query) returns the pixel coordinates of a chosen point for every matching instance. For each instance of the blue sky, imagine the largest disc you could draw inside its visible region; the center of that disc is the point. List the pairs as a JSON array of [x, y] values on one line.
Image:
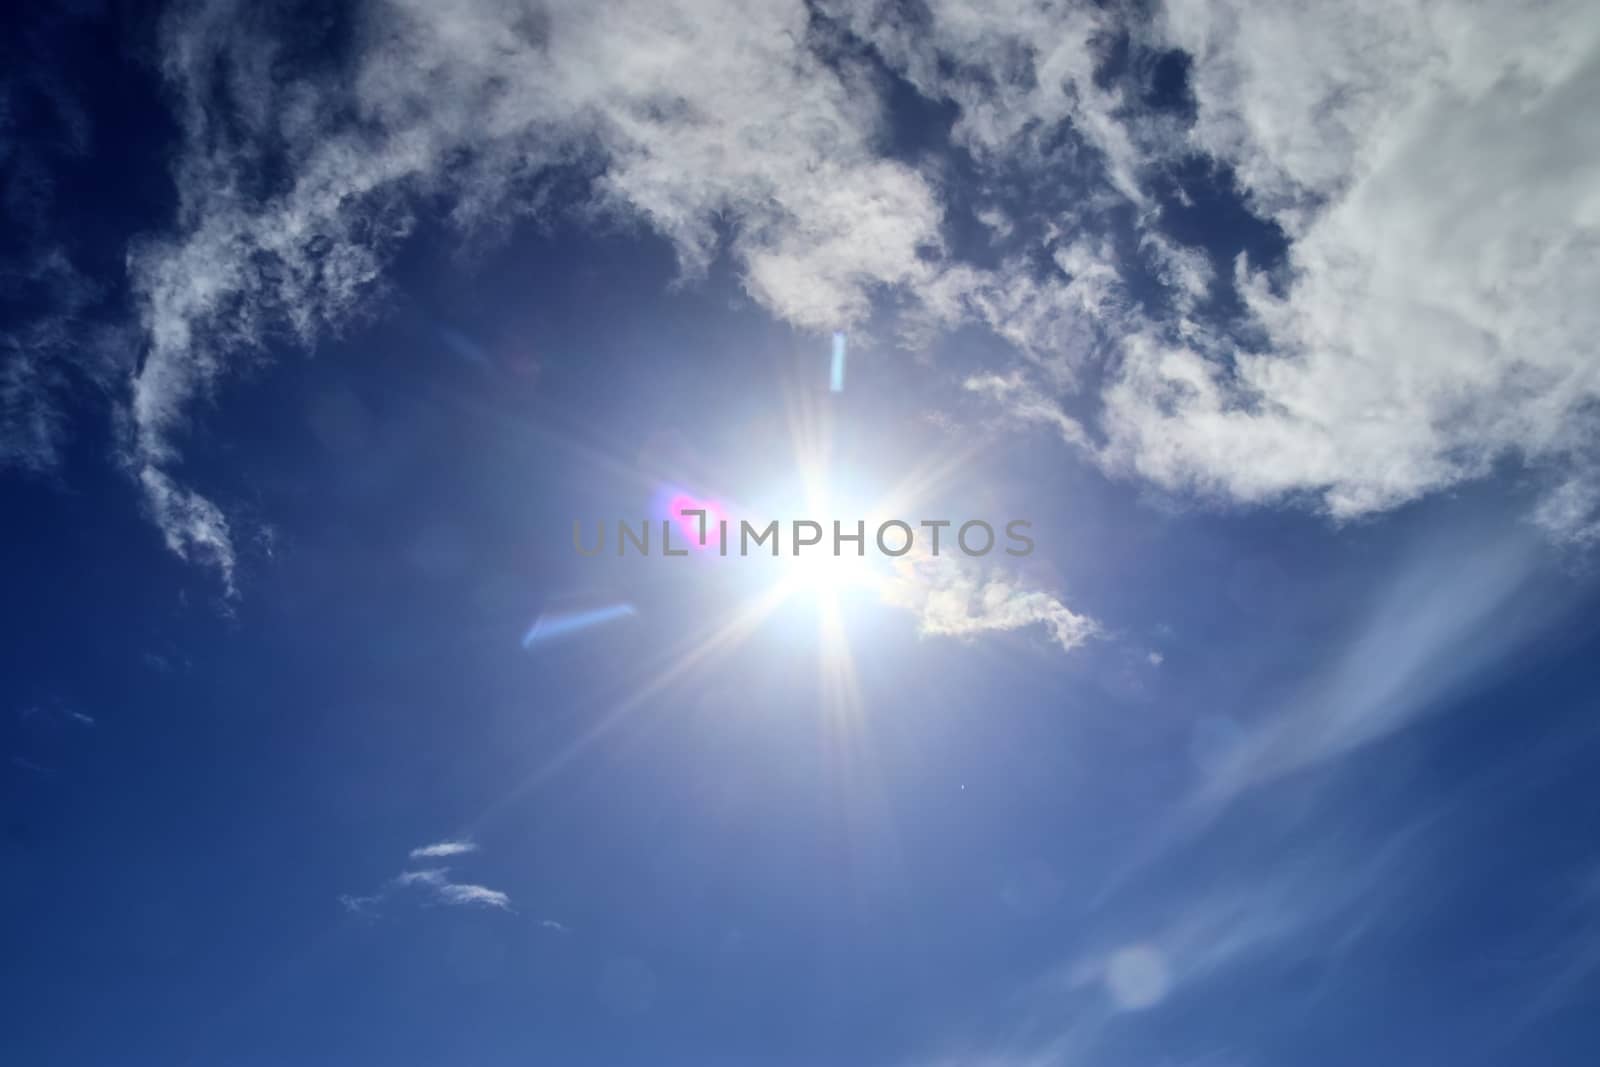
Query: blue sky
[[321, 325]]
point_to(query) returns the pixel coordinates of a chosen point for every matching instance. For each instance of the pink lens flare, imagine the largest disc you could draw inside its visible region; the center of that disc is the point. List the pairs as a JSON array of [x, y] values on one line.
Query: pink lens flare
[[685, 508]]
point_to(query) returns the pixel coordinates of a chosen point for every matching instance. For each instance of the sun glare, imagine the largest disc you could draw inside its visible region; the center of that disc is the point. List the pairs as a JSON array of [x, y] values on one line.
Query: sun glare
[[819, 575], [827, 570], [820, 572]]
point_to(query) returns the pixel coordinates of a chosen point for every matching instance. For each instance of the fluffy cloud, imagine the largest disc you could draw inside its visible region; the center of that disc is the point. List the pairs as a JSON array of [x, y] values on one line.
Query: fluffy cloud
[[1437, 171], [1433, 169], [954, 598], [1430, 166]]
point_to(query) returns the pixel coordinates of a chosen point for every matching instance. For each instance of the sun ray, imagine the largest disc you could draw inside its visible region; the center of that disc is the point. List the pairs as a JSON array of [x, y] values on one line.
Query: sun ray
[[685, 659]]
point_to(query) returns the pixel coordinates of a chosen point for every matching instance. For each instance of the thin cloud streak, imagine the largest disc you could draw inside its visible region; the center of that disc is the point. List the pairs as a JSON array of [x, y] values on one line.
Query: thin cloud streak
[[1449, 617], [435, 882], [441, 849]]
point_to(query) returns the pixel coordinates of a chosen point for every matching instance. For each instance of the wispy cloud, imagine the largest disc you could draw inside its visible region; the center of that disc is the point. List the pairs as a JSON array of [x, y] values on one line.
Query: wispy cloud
[[358, 904], [719, 124], [1572, 962], [1304, 903], [1026, 402], [55, 711], [192, 526], [1449, 615], [440, 849], [52, 348], [435, 882]]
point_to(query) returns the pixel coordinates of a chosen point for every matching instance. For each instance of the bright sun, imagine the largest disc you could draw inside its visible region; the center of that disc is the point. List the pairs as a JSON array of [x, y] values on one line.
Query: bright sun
[[818, 570]]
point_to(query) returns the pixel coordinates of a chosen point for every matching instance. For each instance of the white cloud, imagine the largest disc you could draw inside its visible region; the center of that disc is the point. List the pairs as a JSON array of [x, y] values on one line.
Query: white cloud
[[1053, 317], [1016, 69], [956, 598], [1187, 272], [1432, 166], [192, 526], [457, 893], [1026, 402], [1436, 168], [698, 119], [437, 881], [1572, 509], [441, 849]]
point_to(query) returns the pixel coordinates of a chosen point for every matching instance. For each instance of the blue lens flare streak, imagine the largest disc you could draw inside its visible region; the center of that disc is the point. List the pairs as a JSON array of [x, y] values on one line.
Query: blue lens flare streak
[[552, 626]]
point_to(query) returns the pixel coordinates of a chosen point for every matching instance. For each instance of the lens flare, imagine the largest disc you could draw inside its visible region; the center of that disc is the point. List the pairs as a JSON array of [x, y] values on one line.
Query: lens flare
[[549, 627], [685, 509]]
